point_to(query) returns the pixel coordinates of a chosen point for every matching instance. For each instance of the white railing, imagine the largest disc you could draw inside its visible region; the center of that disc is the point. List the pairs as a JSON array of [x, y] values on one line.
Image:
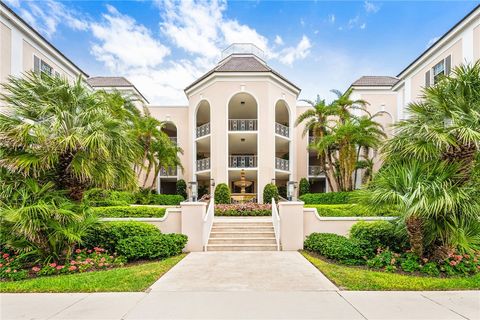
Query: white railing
[[242, 124], [242, 161], [208, 222], [282, 130], [203, 164], [168, 172], [276, 223], [315, 171], [282, 164], [203, 130]]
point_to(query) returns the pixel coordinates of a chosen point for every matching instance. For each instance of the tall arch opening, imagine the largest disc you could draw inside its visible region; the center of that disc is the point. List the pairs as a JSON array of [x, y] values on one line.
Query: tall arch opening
[[203, 147], [167, 179], [282, 146]]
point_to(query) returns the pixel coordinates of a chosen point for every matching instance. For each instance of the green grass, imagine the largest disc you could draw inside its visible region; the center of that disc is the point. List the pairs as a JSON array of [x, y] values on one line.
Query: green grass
[[351, 278], [346, 210], [133, 278], [129, 212]]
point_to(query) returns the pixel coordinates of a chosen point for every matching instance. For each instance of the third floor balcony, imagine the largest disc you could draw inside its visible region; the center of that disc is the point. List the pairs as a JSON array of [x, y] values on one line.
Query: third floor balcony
[[242, 124], [282, 164], [242, 161], [203, 130], [282, 130]]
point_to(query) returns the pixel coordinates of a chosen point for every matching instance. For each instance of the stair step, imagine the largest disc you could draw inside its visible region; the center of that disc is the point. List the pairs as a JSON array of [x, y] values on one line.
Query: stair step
[[241, 228], [242, 241], [240, 223], [242, 247], [242, 234]]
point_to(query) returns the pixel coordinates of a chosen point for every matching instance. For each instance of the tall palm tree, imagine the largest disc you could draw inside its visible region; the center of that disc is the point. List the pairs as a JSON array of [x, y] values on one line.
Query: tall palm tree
[[62, 132]]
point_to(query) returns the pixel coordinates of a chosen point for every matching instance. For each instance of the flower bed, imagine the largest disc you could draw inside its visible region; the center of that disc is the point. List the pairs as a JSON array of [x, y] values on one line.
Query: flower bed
[[243, 209], [12, 267]]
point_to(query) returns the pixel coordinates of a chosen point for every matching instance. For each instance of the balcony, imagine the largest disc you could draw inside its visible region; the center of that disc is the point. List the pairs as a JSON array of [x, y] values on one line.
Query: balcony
[[315, 171], [242, 161], [203, 130], [242, 125], [282, 164], [282, 130], [168, 172], [174, 140], [203, 164]]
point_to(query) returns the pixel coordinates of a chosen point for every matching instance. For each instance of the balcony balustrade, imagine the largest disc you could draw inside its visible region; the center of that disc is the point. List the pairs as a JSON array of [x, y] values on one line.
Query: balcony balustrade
[[282, 130], [168, 172], [242, 161], [315, 171], [242, 124], [282, 164], [203, 130], [203, 164]]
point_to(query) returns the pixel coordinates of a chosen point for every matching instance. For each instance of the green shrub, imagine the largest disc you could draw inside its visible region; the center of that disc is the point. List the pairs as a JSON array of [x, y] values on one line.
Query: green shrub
[[348, 210], [106, 235], [410, 263], [384, 259], [270, 191], [304, 187], [430, 269], [327, 198], [98, 197], [335, 247], [129, 212], [374, 234], [222, 194], [150, 198], [159, 246], [181, 186]]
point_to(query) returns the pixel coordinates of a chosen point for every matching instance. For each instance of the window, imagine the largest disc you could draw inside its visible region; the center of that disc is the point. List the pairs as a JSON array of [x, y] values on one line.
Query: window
[[439, 70], [41, 66]]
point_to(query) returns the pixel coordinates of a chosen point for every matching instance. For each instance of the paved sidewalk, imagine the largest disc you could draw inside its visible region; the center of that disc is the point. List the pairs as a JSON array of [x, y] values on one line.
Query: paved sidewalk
[[243, 285]]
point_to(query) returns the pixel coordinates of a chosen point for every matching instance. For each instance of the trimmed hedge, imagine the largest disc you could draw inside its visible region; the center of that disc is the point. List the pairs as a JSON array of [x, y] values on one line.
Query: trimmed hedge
[[376, 234], [106, 235], [243, 209], [159, 246], [181, 188], [304, 187], [222, 194], [159, 199], [327, 198], [336, 247], [349, 210], [270, 191], [129, 212], [97, 197]]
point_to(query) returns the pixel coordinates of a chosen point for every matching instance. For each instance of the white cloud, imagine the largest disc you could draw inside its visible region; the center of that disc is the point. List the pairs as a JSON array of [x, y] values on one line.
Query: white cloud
[[432, 41], [13, 3], [278, 40], [115, 33], [363, 26], [289, 55], [371, 7], [234, 32], [331, 18]]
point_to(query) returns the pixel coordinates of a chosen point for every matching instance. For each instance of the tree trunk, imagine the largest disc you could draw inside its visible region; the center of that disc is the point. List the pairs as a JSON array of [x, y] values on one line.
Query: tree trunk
[[463, 155], [415, 234]]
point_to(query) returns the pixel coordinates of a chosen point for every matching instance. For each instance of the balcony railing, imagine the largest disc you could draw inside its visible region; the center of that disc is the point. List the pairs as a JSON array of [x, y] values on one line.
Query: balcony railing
[[282, 164], [203, 130], [282, 130], [242, 124], [315, 171], [203, 164], [174, 140], [242, 161], [311, 139], [168, 172]]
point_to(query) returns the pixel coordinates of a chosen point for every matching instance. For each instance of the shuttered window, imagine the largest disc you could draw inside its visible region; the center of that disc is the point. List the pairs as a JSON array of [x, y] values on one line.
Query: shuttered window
[[41, 66], [427, 79], [36, 64], [448, 65]]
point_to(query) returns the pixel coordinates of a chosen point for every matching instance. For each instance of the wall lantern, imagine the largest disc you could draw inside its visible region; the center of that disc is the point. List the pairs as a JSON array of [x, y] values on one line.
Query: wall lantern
[[291, 186], [193, 186], [212, 182]]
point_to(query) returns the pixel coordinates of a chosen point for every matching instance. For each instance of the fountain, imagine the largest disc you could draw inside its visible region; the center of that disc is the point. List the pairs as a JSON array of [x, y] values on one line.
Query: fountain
[[243, 196]]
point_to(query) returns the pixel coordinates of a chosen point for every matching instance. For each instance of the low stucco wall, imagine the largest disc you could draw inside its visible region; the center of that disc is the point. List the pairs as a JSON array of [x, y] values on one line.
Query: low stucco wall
[[170, 223], [312, 222]]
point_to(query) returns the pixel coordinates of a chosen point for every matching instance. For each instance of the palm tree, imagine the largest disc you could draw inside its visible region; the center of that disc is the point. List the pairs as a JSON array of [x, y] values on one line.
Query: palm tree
[[166, 157], [64, 133]]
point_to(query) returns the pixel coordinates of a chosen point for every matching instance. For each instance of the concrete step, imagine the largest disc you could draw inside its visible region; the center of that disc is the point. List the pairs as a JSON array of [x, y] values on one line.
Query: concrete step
[[242, 228], [241, 223], [242, 241], [242, 234], [242, 247]]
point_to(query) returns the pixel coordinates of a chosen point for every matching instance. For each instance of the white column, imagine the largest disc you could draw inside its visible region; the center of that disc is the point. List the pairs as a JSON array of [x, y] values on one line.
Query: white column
[[192, 224], [291, 225]]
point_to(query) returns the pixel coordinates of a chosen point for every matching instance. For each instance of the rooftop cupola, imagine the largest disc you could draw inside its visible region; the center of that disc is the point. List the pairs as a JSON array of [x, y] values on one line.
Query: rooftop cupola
[[243, 49]]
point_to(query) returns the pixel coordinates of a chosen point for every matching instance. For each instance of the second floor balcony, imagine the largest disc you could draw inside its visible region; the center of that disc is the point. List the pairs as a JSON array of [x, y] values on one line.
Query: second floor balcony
[[203, 164], [282, 164], [168, 172], [315, 171], [242, 124], [282, 130], [242, 161], [203, 130]]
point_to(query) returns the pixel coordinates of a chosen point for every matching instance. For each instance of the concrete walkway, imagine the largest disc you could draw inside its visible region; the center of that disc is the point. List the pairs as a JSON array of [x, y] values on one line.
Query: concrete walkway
[[243, 285]]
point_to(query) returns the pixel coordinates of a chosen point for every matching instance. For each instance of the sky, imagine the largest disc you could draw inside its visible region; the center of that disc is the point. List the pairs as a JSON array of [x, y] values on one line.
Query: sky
[[163, 46]]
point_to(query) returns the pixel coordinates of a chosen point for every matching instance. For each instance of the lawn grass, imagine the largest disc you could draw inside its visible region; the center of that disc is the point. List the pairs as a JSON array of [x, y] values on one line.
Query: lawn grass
[[132, 279], [350, 278]]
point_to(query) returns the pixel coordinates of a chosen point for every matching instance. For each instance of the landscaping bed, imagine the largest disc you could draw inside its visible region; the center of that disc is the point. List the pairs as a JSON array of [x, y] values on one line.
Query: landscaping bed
[[349, 210], [132, 278], [129, 212], [97, 197], [243, 209]]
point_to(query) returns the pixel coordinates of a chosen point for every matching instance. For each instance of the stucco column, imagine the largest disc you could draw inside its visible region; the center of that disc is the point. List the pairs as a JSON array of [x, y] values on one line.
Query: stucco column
[[192, 224], [291, 225]]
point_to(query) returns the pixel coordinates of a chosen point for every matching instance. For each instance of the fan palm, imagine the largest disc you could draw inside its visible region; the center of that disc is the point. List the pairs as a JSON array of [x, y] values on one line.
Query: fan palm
[[62, 132]]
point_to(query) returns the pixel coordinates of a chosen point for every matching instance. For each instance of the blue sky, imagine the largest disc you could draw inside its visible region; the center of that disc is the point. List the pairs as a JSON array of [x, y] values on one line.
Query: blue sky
[[162, 46]]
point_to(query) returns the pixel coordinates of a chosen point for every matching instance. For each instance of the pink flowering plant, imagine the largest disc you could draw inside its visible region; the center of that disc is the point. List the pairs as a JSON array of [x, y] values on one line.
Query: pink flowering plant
[[82, 260], [243, 209]]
